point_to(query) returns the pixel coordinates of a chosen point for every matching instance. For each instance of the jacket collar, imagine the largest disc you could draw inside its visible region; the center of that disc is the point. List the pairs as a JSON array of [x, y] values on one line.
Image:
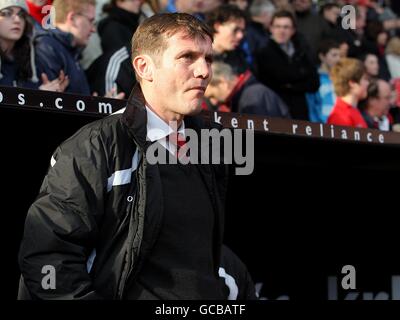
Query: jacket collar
[[135, 119]]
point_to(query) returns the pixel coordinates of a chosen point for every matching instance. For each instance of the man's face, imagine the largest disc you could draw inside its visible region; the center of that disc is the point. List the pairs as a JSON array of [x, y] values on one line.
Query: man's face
[[331, 58], [12, 24], [181, 76], [301, 5], [372, 65], [229, 34], [282, 30], [332, 14], [84, 25]]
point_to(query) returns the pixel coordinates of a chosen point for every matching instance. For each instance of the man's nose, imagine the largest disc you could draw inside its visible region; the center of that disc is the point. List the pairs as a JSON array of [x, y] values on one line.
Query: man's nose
[[202, 69]]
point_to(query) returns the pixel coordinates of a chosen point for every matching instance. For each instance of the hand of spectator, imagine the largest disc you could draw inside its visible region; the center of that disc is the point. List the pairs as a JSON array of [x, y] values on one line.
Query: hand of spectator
[[57, 85], [112, 94]]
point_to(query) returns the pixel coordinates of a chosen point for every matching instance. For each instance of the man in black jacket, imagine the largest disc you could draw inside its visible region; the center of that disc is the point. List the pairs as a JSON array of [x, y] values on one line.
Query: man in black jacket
[[285, 65], [244, 93], [109, 224]]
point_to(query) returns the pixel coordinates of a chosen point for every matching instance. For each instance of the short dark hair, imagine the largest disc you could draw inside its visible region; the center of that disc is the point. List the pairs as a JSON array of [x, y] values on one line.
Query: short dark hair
[[151, 36], [328, 6], [326, 45], [224, 14], [284, 14]]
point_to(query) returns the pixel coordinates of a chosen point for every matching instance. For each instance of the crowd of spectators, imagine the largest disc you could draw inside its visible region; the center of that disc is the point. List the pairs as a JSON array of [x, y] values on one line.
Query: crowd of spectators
[[321, 61]]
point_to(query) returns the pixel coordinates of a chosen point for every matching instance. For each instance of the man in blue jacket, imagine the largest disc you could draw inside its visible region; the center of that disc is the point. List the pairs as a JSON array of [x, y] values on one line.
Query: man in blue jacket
[[60, 48]]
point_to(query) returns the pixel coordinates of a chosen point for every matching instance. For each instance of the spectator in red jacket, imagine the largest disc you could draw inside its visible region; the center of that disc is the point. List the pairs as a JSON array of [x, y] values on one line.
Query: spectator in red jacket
[[350, 82]]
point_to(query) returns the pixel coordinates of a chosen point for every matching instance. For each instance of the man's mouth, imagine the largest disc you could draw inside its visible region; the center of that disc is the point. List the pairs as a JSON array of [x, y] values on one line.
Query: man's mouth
[[203, 89]]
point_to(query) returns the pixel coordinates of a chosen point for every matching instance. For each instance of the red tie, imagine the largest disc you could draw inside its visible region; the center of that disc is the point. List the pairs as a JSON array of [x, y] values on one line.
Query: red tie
[[177, 139]]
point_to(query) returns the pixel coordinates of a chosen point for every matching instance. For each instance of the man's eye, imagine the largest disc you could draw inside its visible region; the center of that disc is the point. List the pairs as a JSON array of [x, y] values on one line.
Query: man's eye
[[187, 56]]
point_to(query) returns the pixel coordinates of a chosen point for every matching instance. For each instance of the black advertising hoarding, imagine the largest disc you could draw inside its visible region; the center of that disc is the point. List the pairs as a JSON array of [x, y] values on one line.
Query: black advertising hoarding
[[321, 200]]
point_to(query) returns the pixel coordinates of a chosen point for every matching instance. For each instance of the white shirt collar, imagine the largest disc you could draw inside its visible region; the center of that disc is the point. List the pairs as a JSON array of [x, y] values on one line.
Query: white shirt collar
[[158, 129]]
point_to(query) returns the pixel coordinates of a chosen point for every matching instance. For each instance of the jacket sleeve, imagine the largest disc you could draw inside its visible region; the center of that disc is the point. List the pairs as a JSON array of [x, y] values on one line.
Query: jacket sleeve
[[314, 104], [48, 60], [63, 223]]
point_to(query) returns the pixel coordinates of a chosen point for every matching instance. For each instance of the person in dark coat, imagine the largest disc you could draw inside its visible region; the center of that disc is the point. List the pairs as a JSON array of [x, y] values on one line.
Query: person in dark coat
[[17, 51], [60, 49], [118, 27], [257, 29], [112, 72], [228, 24], [112, 221], [285, 66], [244, 93]]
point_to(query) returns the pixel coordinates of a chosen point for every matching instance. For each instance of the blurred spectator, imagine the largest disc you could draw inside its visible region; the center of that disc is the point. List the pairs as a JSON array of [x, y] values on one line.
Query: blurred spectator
[[241, 4], [257, 30], [35, 9], [330, 13], [151, 7], [285, 67], [244, 94], [377, 105], [385, 15], [208, 6], [117, 29], [371, 65], [321, 103], [358, 44], [309, 24], [377, 36], [228, 24], [112, 72], [17, 52], [184, 6], [59, 49], [282, 5], [393, 57], [350, 83]]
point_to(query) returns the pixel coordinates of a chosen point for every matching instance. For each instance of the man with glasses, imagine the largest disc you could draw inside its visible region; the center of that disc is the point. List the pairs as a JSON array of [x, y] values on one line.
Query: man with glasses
[[60, 48]]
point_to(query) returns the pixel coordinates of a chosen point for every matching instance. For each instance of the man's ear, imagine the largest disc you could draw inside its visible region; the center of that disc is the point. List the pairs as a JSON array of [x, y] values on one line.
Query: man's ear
[[353, 84], [70, 19], [144, 67], [216, 26]]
